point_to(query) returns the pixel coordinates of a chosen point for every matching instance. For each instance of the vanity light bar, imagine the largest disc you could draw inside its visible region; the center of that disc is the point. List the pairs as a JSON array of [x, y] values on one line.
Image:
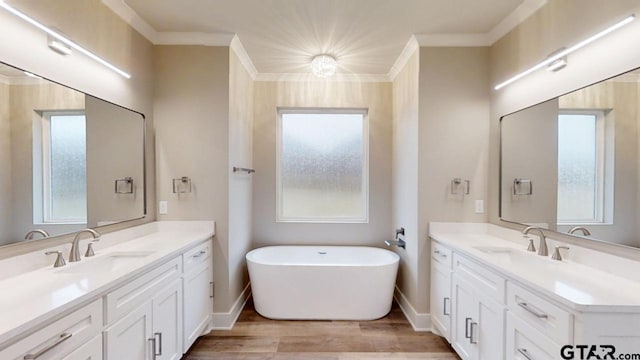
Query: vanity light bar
[[61, 38], [567, 51]]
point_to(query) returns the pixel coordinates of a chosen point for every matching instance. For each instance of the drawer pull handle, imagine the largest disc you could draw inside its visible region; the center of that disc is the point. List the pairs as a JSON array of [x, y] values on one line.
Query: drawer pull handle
[[525, 353], [153, 348], [466, 328], [159, 335], [444, 307], [536, 313], [472, 338], [437, 252], [202, 252], [63, 337]]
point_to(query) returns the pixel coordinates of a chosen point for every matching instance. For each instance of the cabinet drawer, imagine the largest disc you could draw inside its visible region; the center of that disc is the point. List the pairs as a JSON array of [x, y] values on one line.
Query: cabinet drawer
[[540, 314], [441, 254], [197, 255], [130, 296], [526, 343], [486, 281], [89, 351], [61, 337]]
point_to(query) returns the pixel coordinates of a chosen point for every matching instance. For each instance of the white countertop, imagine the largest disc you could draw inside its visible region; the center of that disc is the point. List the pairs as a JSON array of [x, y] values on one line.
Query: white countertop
[[578, 286], [36, 296]]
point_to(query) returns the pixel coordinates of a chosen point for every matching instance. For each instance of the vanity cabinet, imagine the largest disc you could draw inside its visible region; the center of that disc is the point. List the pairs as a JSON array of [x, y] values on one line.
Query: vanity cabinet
[[198, 293], [441, 290], [478, 319]]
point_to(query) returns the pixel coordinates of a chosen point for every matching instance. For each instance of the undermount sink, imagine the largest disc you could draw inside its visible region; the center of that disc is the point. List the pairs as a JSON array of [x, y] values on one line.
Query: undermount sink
[[106, 263], [494, 249]]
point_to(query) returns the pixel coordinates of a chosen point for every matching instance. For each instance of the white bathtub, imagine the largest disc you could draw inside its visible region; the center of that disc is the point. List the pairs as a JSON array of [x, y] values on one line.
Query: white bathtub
[[322, 282]]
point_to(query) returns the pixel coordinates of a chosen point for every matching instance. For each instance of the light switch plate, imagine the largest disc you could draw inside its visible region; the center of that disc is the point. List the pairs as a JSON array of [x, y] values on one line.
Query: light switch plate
[[479, 206], [163, 207]]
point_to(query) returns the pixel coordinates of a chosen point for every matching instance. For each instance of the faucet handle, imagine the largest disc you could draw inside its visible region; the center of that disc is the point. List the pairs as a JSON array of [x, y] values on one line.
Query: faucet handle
[[531, 246], [556, 254], [59, 259], [90, 252]]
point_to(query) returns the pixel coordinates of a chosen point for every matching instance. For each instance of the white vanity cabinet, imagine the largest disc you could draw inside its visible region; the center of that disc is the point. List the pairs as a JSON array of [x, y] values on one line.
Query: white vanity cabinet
[[441, 289], [477, 330], [198, 293]]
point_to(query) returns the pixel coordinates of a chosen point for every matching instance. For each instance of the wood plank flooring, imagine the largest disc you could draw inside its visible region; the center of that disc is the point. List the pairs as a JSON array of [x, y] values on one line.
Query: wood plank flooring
[[255, 338]]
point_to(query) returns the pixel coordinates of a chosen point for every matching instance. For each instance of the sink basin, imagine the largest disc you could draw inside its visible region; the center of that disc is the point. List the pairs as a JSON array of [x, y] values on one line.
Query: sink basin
[[494, 249], [106, 263]]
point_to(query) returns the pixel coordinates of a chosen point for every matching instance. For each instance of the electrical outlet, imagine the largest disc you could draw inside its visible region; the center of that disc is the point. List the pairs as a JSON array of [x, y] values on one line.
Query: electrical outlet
[[163, 207], [479, 206]]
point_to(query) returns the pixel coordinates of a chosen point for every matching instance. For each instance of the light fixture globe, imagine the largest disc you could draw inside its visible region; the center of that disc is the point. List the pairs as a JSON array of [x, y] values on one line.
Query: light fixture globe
[[323, 66]]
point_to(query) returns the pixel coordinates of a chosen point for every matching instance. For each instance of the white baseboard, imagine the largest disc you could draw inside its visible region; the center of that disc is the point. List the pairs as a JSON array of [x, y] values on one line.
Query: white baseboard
[[419, 321], [225, 321]]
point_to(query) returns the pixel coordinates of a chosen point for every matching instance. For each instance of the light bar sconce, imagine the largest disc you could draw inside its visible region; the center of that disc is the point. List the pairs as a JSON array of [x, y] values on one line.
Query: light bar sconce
[[62, 39], [563, 53]]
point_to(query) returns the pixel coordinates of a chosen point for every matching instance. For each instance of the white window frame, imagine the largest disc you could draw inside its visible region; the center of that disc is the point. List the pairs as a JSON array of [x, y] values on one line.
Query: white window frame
[[603, 209], [365, 164], [43, 211]]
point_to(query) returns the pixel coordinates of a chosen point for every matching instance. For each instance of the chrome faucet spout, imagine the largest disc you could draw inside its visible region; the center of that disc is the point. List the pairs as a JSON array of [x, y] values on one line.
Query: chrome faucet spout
[[543, 250], [399, 243], [30, 234], [74, 254], [584, 230]]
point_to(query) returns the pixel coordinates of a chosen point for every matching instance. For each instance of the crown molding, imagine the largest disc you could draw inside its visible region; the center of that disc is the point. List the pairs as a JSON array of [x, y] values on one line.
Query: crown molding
[[237, 47], [120, 8], [402, 60], [453, 40], [307, 77], [517, 16], [193, 38]]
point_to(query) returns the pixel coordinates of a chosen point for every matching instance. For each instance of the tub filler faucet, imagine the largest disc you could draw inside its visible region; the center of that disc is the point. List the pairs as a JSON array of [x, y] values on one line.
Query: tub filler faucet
[[397, 242]]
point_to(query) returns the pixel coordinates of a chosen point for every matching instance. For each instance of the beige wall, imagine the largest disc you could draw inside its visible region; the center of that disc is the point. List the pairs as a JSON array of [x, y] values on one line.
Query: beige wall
[[240, 184], [268, 96], [405, 173], [191, 112], [92, 24], [530, 151], [26, 101], [453, 142], [6, 215], [114, 151]]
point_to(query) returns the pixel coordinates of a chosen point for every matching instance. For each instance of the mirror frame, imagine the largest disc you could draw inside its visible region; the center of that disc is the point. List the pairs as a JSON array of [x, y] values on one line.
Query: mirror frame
[[500, 184], [144, 165]]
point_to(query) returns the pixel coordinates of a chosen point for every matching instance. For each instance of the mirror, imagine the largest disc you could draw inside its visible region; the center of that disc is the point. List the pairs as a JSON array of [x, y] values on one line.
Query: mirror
[[574, 161], [68, 160]]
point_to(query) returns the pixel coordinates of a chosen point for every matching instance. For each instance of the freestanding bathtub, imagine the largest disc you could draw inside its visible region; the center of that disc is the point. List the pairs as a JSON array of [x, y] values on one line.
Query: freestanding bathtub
[[322, 282]]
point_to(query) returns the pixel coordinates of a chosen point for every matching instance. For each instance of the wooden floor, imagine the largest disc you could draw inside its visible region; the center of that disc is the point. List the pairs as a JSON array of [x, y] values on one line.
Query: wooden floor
[[254, 337]]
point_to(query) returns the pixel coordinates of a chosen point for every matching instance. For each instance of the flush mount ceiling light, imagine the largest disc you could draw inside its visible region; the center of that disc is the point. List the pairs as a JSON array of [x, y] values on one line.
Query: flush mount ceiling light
[[567, 51], [54, 34], [324, 66]]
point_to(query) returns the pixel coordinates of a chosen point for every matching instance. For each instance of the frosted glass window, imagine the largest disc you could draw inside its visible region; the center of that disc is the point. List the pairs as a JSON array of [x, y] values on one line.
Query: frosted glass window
[[579, 178], [65, 167], [323, 174]]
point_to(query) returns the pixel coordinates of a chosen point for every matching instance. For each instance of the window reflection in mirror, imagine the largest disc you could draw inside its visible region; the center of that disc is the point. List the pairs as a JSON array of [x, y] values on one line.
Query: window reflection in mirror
[[581, 152]]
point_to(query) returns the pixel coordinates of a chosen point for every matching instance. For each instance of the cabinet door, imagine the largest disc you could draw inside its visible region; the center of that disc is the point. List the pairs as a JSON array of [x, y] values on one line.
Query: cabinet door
[[464, 312], [488, 329], [89, 351], [197, 302], [167, 322], [129, 337], [441, 299]]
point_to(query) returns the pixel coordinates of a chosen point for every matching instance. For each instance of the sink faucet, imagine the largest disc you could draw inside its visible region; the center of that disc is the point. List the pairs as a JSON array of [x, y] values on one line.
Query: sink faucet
[[30, 234], [74, 255], [543, 250], [584, 230]]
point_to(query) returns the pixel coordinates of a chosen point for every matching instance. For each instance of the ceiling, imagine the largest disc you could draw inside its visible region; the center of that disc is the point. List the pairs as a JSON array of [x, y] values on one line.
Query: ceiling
[[366, 36]]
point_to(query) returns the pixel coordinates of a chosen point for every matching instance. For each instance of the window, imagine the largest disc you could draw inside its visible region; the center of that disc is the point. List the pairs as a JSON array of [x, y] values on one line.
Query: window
[[322, 166], [62, 169], [581, 167]]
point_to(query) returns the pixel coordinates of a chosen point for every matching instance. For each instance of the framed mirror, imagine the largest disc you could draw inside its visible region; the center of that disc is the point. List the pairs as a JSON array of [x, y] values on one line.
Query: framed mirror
[[68, 160], [572, 164]]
